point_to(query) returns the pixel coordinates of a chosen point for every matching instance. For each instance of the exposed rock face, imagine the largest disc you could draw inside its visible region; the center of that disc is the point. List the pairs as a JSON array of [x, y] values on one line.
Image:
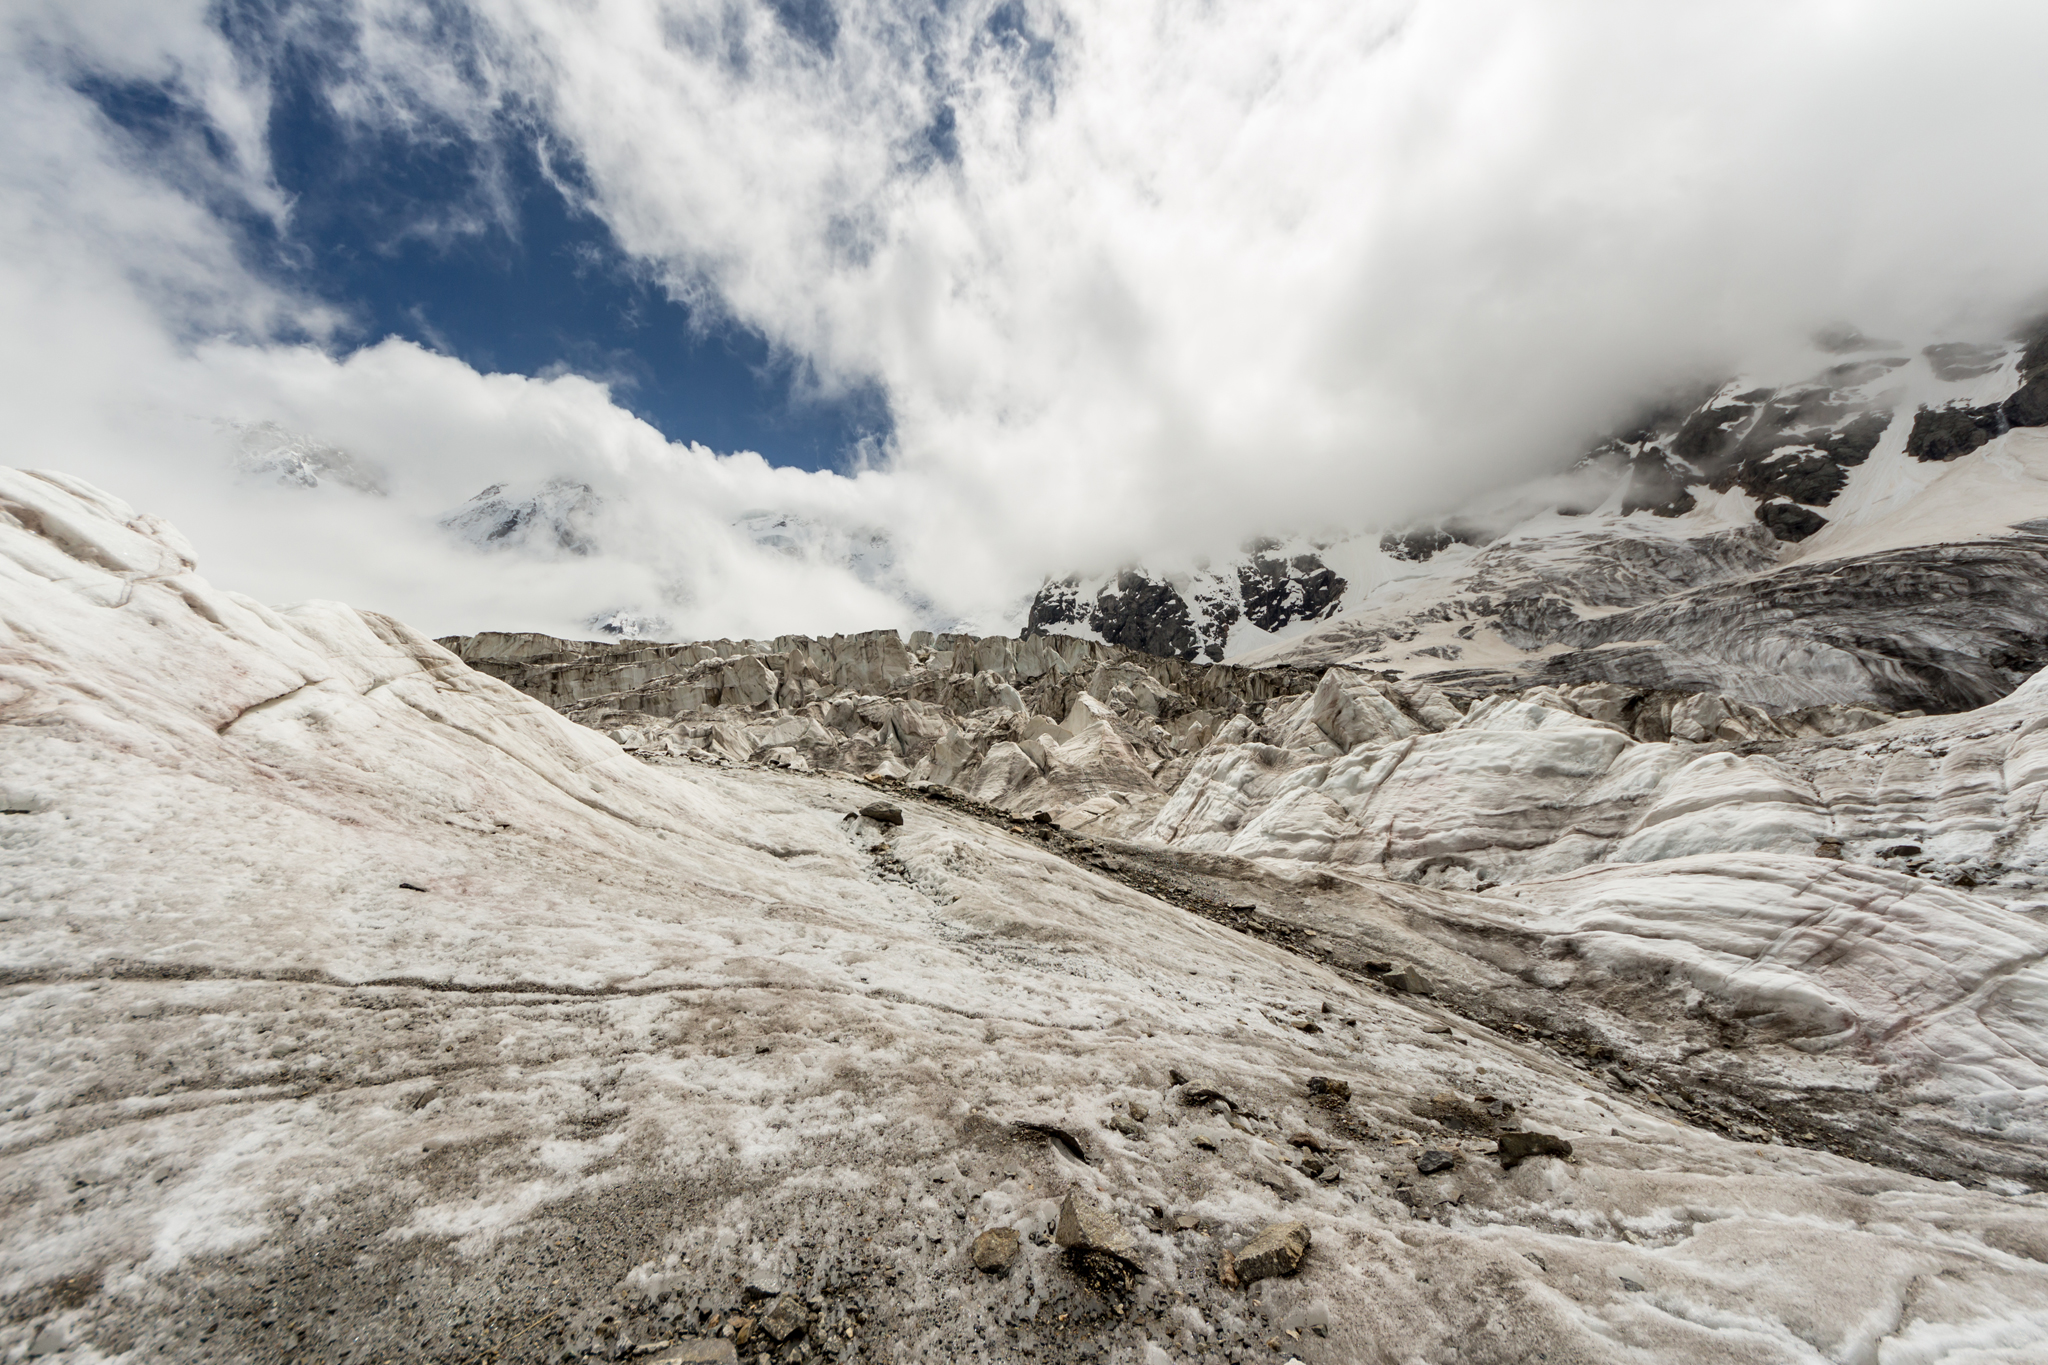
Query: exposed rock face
[[1952, 432], [1789, 521], [1278, 592], [1269, 588], [1139, 614]]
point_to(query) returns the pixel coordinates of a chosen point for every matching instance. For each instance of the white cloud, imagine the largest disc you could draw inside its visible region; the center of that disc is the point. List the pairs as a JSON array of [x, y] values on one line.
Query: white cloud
[[1196, 272]]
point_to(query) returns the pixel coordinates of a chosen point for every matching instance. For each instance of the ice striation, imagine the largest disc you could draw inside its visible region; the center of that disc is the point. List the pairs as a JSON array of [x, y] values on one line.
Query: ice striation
[[360, 1005]]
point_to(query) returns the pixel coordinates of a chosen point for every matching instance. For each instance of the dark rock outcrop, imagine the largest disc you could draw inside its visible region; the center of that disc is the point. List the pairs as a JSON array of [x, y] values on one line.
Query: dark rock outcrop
[[1278, 592], [1941, 434], [1140, 613], [1789, 521]]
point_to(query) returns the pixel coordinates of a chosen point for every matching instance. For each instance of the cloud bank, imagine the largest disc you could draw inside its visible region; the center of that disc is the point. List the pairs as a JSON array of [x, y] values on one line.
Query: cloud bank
[[1138, 280]]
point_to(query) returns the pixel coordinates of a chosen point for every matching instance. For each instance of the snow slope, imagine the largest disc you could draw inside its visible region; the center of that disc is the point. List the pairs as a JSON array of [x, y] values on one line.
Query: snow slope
[[358, 1006]]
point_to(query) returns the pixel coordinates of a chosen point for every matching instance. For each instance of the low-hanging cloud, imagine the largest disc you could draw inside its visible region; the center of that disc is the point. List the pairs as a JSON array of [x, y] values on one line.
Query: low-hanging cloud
[[1138, 280]]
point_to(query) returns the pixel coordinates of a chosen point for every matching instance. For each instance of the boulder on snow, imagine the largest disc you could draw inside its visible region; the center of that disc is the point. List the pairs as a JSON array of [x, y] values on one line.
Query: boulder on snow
[[1085, 1225], [1515, 1148], [995, 1251], [883, 812], [1278, 1249]]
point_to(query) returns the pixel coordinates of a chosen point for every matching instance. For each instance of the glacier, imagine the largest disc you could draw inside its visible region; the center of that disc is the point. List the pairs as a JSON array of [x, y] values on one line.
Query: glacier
[[360, 1005]]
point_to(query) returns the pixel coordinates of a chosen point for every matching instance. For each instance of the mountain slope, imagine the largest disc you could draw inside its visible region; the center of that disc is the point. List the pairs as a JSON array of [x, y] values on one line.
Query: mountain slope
[[361, 1006]]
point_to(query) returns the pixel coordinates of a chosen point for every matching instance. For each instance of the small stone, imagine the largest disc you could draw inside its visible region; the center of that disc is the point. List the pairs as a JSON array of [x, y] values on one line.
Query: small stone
[[995, 1251], [1186, 1222], [785, 1319], [762, 1284], [702, 1351], [1312, 1165], [1226, 1270], [1206, 1143], [1140, 1112], [1630, 1285], [1277, 1250], [1128, 1127], [1434, 1160], [1515, 1148], [1087, 1225], [1329, 1087], [1173, 1074], [1330, 1176], [883, 812], [1307, 1139], [1410, 981]]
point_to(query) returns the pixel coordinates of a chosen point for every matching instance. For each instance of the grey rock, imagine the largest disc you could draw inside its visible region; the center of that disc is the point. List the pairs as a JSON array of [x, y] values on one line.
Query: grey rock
[[1515, 1148], [1278, 1249], [1409, 981], [1086, 1225], [1329, 1088], [1788, 521], [1630, 1285], [883, 812], [1435, 1160], [1129, 1127], [785, 1319], [995, 1251], [701, 1351]]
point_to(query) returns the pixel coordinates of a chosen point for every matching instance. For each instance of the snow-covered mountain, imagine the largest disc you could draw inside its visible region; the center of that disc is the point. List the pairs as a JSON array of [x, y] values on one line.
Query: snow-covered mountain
[[1769, 538], [267, 451], [359, 1006], [553, 518]]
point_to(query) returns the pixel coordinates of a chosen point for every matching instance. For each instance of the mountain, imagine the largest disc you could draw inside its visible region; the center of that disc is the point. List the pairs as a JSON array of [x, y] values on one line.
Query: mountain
[[1789, 540], [554, 518], [361, 1006]]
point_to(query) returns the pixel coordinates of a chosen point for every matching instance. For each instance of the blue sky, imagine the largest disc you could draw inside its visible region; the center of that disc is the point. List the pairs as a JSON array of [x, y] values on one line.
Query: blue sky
[[473, 249]]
